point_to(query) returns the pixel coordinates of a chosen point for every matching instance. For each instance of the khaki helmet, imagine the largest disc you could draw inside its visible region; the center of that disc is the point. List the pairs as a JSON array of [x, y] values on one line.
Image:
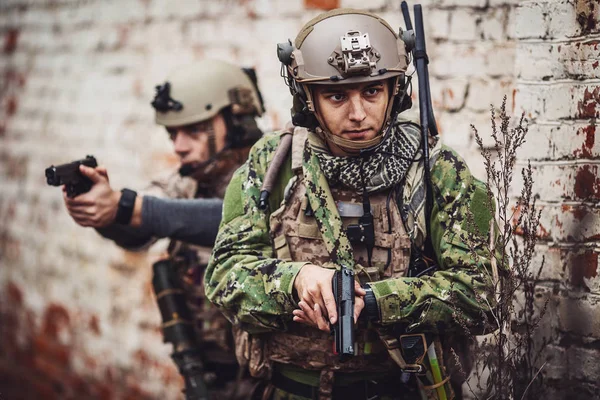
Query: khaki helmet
[[199, 91], [341, 46]]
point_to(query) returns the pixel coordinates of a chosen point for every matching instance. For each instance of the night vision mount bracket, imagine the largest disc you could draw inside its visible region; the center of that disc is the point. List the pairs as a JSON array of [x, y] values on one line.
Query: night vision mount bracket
[[355, 56]]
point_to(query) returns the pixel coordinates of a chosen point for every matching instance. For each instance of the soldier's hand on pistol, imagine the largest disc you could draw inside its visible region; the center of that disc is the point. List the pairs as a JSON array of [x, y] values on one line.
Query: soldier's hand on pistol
[[317, 304], [98, 207]]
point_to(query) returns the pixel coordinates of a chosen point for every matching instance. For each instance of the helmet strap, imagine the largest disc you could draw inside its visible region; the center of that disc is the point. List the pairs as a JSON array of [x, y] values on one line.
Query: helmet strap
[[348, 147], [212, 145]]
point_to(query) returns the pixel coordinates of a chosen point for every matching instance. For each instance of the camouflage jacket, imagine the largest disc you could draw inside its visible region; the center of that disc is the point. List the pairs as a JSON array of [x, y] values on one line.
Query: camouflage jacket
[[255, 290]]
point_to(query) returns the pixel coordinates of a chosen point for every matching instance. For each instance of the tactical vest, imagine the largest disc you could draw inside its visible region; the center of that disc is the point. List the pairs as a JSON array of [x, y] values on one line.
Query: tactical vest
[[296, 237]]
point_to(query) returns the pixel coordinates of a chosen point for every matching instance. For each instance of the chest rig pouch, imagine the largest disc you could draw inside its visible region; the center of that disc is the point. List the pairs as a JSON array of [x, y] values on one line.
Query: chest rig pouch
[[379, 241]]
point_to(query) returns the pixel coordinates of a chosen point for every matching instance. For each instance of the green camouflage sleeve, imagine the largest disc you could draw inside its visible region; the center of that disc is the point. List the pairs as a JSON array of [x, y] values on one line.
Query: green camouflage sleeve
[[460, 293], [243, 279]]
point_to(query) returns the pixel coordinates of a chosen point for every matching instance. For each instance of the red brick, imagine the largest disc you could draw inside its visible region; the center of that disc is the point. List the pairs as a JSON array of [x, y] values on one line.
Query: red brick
[[588, 106], [587, 182], [569, 223], [11, 105], [589, 145], [15, 295], [10, 40], [52, 371], [583, 266], [564, 181], [322, 4], [49, 348], [95, 325], [561, 142], [56, 318]]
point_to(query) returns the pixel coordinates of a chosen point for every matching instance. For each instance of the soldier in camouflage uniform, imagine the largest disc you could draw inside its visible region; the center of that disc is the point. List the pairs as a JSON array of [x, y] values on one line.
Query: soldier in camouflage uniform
[[350, 161], [208, 109]]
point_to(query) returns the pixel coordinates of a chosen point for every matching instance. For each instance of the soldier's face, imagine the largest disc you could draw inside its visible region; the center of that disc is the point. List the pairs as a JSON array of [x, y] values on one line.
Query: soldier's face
[[193, 142], [353, 111]]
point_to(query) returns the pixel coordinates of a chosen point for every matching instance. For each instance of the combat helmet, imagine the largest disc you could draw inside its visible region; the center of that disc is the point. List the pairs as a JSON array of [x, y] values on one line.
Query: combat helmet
[[198, 91], [343, 46]]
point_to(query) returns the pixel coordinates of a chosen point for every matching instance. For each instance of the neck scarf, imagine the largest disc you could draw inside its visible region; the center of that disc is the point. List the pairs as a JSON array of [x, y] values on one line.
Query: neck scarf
[[377, 168]]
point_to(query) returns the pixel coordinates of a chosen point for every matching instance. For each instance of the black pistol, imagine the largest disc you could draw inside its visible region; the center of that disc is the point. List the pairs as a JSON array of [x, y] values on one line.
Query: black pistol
[[178, 329], [343, 329], [70, 176]]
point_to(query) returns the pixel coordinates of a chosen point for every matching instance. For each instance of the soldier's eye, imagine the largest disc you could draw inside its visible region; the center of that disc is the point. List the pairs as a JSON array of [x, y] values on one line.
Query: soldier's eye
[[372, 91], [198, 128], [337, 97]]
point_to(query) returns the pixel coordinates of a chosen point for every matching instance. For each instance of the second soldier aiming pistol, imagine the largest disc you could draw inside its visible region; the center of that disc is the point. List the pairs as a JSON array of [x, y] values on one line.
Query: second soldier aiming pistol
[[343, 329], [70, 176]]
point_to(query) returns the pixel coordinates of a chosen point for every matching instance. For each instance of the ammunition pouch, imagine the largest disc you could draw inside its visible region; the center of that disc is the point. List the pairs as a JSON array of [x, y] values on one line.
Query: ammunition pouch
[[177, 325]]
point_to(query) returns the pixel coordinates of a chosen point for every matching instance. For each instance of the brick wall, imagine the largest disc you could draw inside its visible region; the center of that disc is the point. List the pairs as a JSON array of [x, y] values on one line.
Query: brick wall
[[557, 77], [77, 316]]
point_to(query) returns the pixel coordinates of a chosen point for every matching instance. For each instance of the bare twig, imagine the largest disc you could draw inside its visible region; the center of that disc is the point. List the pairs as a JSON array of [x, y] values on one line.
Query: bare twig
[[535, 376], [509, 354]]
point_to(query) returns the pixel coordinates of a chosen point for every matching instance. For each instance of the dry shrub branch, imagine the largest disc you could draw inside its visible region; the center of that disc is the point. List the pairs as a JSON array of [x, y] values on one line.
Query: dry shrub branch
[[506, 361]]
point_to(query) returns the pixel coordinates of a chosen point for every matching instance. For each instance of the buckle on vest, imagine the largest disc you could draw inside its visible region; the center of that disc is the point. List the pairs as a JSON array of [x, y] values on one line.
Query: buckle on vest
[[364, 233], [356, 233]]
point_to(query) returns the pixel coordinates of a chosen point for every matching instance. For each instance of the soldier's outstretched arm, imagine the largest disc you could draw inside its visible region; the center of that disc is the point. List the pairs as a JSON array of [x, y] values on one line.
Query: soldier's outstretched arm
[[194, 221], [460, 293], [191, 220]]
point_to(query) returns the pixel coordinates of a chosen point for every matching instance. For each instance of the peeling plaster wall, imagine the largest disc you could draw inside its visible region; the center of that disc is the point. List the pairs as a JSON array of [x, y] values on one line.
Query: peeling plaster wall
[[77, 314], [557, 86]]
